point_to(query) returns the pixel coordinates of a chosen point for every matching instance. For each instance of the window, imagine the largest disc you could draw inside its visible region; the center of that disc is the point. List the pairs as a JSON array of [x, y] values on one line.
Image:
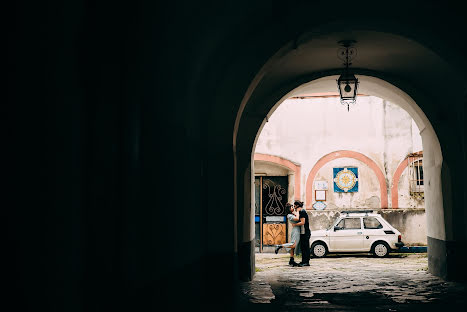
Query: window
[[418, 172], [415, 174], [371, 223], [349, 224]]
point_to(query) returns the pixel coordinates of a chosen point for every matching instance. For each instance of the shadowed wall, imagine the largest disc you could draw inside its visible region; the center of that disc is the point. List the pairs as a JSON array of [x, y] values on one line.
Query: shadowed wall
[[120, 146]]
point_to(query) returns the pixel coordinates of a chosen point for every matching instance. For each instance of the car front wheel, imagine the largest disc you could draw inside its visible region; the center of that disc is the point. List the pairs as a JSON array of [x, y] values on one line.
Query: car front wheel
[[318, 250], [380, 249]]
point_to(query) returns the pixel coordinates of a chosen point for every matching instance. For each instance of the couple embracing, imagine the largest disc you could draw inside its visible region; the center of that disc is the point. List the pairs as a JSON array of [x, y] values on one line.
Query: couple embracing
[[300, 234]]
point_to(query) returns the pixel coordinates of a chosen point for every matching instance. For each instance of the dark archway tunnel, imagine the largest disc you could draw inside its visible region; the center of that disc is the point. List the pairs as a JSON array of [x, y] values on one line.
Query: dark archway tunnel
[[128, 186]]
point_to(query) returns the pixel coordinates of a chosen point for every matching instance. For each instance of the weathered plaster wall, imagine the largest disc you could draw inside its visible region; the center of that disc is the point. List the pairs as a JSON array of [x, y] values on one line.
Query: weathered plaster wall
[[265, 168], [368, 195], [411, 222], [407, 200], [304, 130]]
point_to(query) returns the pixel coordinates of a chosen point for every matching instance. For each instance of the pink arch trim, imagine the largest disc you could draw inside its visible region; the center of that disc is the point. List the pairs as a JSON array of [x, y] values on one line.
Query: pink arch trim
[[346, 154], [395, 181], [286, 163]]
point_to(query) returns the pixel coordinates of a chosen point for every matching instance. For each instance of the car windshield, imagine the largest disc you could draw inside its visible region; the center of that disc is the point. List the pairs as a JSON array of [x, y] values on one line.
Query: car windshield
[[333, 223]]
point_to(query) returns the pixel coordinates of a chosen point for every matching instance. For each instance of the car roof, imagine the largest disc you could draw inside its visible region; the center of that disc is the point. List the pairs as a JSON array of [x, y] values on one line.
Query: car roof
[[359, 213]]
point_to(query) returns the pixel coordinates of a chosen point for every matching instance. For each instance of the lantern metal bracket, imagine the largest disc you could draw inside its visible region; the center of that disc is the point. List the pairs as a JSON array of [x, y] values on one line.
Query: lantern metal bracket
[[347, 79], [348, 52]]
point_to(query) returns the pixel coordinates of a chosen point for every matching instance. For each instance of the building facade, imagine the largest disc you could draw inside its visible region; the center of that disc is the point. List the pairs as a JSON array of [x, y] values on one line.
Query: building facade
[[369, 157]]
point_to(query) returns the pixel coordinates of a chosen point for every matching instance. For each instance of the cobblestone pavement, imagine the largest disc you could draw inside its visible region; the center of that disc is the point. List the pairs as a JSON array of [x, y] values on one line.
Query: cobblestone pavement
[[350, 283]]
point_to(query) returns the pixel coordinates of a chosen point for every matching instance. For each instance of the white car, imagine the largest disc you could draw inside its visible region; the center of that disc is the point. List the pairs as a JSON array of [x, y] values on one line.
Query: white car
[[356, 231]]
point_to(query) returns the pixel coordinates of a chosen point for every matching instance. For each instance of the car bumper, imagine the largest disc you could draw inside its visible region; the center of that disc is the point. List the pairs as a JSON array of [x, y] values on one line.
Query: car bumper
[[399, 244]]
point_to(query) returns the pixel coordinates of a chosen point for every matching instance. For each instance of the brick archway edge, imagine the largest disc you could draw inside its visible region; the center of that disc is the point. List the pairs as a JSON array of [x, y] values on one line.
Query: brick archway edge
[[346, 154], [286, 163], [395, 181]]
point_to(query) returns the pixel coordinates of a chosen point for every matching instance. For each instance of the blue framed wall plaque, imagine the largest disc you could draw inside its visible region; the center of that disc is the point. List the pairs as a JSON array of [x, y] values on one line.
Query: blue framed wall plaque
[[319, 205], [345, 179]]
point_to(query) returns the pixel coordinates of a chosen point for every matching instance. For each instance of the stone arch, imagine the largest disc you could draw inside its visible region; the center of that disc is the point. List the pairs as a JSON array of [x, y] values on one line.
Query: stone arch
[[395, 180], [285, 163], [280, 78], [346, 154]]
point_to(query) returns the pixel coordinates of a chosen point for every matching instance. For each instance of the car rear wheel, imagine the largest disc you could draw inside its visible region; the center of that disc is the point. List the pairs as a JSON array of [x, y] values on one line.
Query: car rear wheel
[[318, 250], [380, 249]]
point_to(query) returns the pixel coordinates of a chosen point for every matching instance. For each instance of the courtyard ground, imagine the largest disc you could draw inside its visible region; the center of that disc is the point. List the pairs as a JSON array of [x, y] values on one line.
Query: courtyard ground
[[400, 282]]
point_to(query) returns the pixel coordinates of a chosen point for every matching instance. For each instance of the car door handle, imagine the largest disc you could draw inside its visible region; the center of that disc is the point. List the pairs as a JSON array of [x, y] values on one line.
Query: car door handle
[[359, 232]]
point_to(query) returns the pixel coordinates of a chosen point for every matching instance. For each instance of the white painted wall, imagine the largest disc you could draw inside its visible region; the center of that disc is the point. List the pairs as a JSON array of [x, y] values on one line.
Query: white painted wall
[[368, 195], [304, 130]]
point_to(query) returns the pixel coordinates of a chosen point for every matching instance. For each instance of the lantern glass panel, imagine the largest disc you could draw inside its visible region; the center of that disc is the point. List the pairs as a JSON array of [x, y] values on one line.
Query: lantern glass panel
[[347, 90], [348, 87]]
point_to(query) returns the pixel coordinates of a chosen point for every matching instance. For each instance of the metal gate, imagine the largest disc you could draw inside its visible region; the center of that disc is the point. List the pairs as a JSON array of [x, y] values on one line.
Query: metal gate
[[270, 211]]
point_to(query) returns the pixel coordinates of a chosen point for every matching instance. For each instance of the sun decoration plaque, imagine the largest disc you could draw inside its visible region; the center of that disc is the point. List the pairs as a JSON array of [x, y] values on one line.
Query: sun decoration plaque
[[345, 179]]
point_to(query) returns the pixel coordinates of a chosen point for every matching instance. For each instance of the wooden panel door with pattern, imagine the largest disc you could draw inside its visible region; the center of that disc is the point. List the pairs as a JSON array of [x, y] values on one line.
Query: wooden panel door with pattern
[[274, 197], [274, 233]]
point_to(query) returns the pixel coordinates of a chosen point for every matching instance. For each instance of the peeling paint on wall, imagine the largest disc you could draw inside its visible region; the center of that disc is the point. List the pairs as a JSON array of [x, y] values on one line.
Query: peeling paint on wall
[[372, 202]]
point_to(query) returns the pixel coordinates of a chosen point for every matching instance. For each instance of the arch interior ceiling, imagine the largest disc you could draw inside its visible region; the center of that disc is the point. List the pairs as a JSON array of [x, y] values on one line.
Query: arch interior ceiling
[[377, 52]]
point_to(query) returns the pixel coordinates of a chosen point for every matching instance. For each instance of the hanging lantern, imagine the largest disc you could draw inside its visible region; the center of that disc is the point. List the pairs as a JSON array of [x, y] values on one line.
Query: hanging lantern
[[347, 82]]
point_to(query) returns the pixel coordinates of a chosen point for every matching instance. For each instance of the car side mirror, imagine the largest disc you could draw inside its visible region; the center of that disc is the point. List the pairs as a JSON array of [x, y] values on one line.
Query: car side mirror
[[336, 228]]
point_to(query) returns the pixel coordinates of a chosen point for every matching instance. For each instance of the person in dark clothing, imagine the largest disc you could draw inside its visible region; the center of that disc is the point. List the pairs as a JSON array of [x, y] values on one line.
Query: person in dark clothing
[[304, 235]]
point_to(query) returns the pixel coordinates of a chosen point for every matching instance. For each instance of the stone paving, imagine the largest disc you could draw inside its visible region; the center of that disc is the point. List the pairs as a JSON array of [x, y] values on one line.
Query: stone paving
[[361, 282]]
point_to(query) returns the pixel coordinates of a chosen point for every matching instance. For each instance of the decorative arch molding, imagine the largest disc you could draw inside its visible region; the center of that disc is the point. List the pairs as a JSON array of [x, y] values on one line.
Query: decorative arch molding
[[395, 180], [346, 154], [285, 163]]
